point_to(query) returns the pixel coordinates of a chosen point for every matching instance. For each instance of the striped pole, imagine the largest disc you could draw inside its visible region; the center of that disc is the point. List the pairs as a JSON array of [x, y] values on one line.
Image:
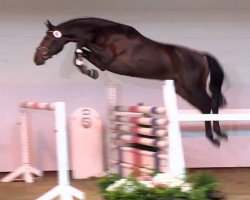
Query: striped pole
[[145, 141], [37, 105], [141, 109], [159, 132], [141, 120]]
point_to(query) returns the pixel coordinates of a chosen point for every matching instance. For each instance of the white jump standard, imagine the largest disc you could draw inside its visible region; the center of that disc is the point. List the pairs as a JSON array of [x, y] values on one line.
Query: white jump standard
[[63, 190], [26, 171]]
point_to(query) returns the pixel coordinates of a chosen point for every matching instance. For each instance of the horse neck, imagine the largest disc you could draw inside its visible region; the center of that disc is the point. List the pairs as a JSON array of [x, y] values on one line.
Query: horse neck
[[81, 29]]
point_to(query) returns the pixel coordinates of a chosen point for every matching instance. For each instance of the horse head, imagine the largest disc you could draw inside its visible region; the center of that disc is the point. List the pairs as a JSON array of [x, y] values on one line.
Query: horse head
[[52, 43]]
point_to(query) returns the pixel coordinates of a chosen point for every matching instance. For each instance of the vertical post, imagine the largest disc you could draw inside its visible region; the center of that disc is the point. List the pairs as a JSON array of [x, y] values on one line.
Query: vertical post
[[24, 137], [63, 189], [62, 146], [112, 94], [176, 157], [110, 143]]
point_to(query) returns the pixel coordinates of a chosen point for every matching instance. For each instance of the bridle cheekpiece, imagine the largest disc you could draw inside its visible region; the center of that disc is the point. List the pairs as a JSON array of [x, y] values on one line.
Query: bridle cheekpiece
[[45, 50]]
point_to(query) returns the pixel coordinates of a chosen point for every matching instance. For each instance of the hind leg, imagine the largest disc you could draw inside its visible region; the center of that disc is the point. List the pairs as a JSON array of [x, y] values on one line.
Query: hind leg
[[200, 99], [216, 124], [215, 110]]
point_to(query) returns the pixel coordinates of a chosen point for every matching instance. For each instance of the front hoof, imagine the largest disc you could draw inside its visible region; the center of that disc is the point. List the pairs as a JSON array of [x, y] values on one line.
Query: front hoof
[[93, 74]]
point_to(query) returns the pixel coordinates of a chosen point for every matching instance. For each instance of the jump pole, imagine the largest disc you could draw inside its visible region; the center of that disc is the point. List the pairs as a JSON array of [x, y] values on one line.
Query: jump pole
[[63, 189], [176, 157], [25, 170]]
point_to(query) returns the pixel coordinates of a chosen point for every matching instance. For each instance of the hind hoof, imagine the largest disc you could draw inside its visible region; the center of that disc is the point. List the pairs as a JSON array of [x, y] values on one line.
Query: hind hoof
[[216, 143], [93, 74], [224, 136]]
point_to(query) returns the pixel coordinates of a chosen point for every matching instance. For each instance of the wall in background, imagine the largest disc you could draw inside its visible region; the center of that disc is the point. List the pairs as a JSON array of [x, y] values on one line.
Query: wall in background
[[221, 28]]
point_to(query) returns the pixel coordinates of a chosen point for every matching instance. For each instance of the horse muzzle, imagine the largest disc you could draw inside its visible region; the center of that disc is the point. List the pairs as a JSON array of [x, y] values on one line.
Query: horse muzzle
[[40, 57], [39, 60]]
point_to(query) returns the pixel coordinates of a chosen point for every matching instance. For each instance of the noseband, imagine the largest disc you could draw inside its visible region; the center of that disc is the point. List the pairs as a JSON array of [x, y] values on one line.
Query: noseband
[[45, 52]]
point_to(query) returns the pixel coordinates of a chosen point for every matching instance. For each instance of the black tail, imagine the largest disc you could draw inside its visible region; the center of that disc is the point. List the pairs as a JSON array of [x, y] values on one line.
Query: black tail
[[216, 81]]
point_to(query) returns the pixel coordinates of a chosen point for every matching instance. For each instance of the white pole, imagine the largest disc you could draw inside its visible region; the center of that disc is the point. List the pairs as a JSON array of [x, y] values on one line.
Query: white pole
[[62, 146], [176, 157], [63, 190], [213, 117]]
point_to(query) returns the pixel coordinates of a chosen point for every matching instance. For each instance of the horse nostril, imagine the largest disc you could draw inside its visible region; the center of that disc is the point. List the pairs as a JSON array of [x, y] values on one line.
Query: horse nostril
[[38, 60]]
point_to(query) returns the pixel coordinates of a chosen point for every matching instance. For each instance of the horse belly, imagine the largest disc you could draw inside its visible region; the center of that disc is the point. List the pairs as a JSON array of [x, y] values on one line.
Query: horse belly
[[152, 63]]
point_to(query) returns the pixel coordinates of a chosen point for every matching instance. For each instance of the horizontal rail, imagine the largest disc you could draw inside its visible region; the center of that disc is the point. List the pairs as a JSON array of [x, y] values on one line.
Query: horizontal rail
[[212, 117], [141, 120], [142, 169], [38, 105], [141, 109], [144, 152], [145, 141], [140, 130]]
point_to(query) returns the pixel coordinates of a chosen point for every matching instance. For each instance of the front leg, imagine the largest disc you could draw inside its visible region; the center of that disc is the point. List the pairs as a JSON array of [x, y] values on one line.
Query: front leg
[[98, 56], [79, 62]]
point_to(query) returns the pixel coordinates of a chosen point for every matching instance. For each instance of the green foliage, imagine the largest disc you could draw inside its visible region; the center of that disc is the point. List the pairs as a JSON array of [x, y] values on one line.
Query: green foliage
[[160, 193], [105, 181], [203, 179], [202, 183], [131, 189]]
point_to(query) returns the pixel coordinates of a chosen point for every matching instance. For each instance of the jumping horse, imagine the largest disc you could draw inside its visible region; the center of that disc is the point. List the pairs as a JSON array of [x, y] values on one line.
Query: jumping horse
[[121, 49]]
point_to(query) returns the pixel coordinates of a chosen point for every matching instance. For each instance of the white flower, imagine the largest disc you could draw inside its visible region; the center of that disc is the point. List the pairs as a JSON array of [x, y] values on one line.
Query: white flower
[[129, 183], [186, 187], [116, 185], [148, 184], [167, 180], [110, 188], [175, 182], [120, 182], [130, 189], [163, 179]]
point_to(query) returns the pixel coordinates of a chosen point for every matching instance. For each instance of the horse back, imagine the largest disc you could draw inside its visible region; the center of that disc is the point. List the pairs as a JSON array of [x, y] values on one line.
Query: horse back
[[117, 37]]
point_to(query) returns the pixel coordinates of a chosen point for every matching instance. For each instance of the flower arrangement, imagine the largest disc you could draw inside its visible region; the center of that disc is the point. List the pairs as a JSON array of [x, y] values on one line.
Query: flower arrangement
[[200, 186]]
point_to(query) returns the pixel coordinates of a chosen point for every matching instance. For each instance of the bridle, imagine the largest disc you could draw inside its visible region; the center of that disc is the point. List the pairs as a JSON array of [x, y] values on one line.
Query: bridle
[[45, 52]]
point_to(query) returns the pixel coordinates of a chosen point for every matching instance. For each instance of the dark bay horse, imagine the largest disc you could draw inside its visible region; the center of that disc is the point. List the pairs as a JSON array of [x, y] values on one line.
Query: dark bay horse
[[123, 50]]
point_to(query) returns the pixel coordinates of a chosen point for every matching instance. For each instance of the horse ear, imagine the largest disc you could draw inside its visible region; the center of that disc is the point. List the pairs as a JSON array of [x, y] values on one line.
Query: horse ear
[[49, 25]]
